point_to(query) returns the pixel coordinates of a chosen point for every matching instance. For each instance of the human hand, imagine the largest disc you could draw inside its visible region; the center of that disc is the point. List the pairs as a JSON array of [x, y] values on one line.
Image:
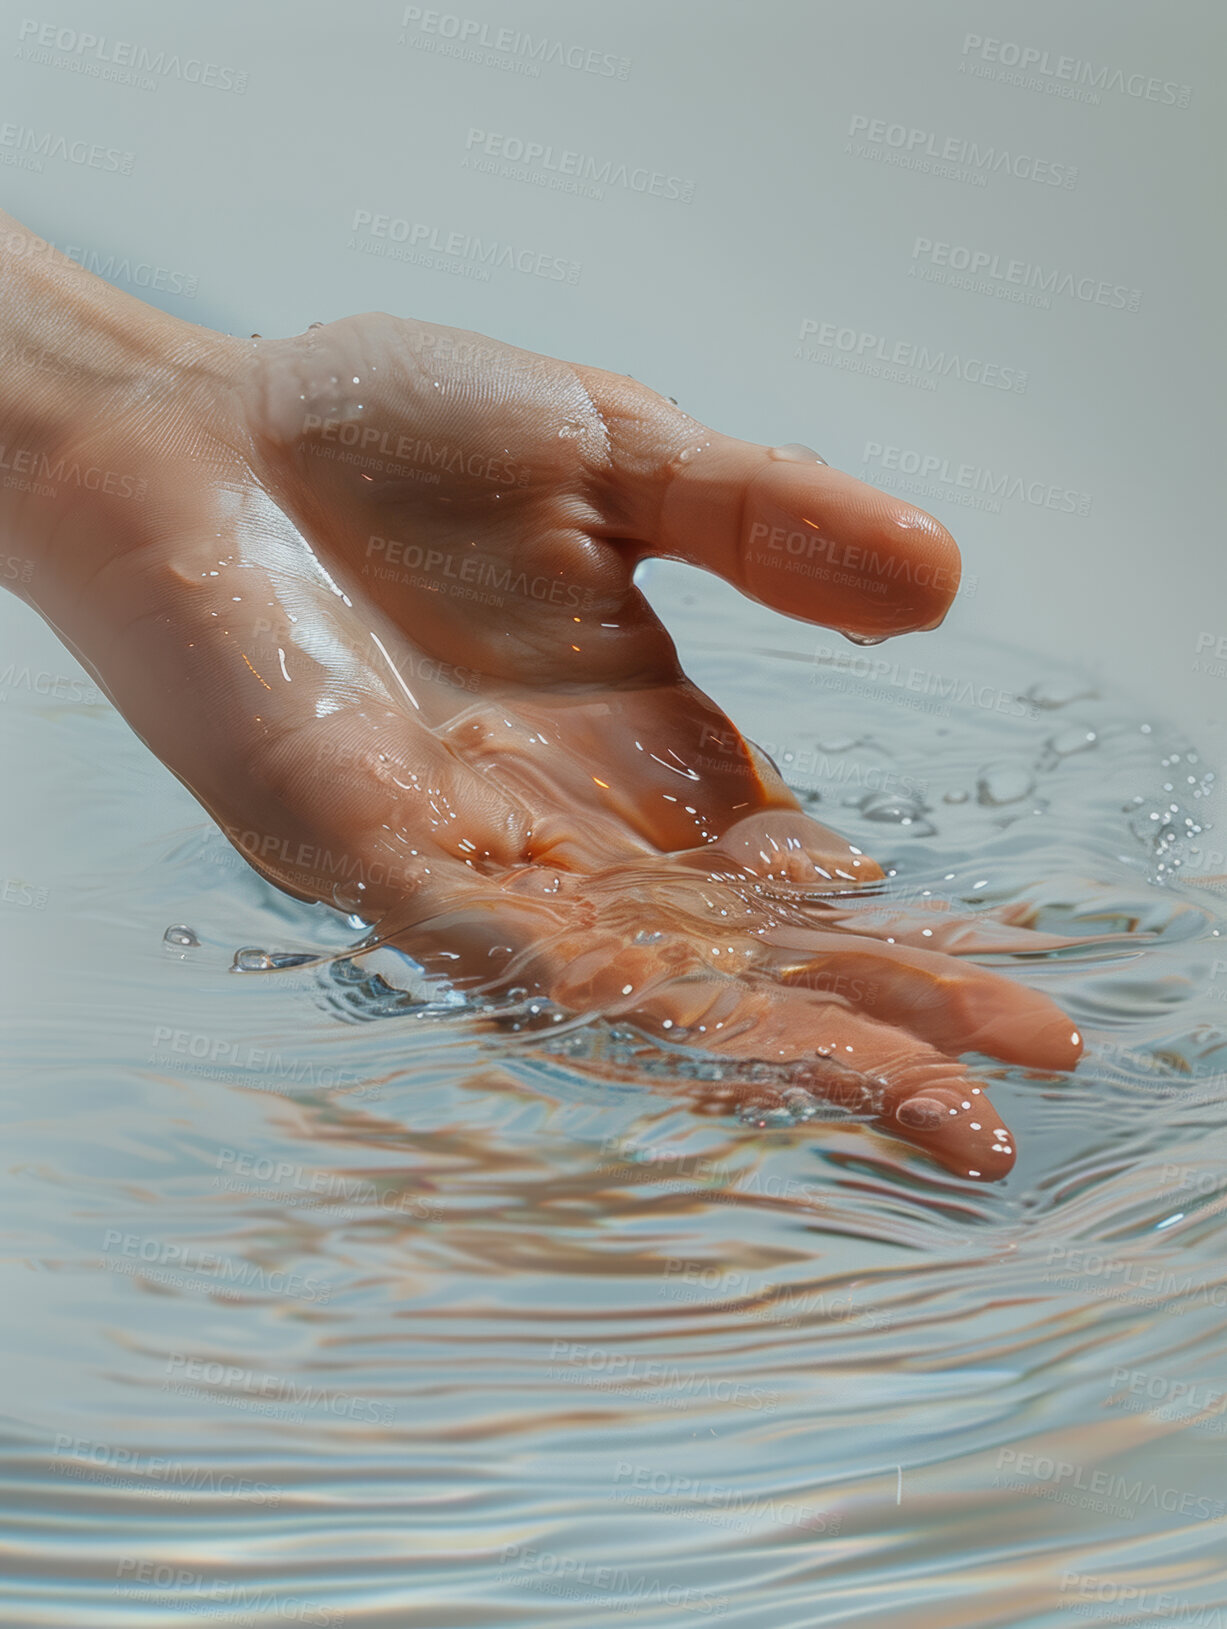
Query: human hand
[[377, 611]]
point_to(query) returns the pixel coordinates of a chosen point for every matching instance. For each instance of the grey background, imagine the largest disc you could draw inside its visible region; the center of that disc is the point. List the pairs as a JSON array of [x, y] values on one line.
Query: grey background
[[760, 117]]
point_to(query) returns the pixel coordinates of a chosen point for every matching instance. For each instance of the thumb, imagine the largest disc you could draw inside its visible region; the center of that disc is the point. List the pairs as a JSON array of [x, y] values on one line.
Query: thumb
[[776, 522]]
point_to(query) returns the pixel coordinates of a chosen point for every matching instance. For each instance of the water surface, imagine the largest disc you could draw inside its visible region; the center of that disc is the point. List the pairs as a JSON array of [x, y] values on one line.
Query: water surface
[[330, 1303]]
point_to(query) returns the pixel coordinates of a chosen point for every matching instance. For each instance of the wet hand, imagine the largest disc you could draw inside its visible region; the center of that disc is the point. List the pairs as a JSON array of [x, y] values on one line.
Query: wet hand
[[379, 614]]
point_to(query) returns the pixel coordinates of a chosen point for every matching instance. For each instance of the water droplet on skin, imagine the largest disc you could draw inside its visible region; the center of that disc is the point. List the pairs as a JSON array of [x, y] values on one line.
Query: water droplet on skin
[[793, 452], [999, 784], [921, 1113], [251, 960], [181, 936], [347, 896]]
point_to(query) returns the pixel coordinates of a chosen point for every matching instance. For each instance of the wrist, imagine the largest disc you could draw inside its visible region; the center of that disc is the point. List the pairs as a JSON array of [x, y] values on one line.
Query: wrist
[[93, 384]]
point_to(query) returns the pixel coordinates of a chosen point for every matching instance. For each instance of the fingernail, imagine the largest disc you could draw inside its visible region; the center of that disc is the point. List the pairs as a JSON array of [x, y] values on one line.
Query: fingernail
[[960, 1127]]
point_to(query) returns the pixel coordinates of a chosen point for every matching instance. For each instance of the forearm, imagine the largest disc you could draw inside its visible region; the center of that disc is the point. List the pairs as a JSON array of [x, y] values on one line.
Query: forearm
[[81, 367]]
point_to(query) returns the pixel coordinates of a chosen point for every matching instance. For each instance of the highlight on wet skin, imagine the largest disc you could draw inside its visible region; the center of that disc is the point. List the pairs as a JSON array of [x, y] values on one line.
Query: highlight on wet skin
[[382, 605]]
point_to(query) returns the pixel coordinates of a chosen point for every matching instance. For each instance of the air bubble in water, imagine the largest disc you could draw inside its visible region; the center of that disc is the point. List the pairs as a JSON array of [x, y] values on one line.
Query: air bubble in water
[[764, 1115], [894, 810], [182, 937], [251, 960], [1000, 784], [958, 795], [866, 639], [800, 1104]]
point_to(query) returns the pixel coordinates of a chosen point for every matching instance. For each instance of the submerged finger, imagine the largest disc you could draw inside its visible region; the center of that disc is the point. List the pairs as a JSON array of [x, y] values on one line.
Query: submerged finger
[[954, 1006]]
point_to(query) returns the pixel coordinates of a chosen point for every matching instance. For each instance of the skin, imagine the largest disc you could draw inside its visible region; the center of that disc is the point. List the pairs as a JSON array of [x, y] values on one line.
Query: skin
[[368, 592]]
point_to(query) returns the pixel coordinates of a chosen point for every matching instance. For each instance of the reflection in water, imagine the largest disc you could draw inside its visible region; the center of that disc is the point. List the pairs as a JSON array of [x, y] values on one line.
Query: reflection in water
[[339, 1303]]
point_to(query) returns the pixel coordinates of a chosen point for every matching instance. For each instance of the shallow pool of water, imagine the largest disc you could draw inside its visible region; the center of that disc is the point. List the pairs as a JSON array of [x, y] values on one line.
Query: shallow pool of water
[[331, 1304]]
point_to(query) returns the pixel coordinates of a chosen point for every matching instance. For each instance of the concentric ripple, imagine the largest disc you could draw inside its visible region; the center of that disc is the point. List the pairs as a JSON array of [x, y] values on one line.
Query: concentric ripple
[[333, 1301]]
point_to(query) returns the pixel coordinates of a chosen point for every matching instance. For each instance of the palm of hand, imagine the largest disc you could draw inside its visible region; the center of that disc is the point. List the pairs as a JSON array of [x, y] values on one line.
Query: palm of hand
[[396, 614]]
